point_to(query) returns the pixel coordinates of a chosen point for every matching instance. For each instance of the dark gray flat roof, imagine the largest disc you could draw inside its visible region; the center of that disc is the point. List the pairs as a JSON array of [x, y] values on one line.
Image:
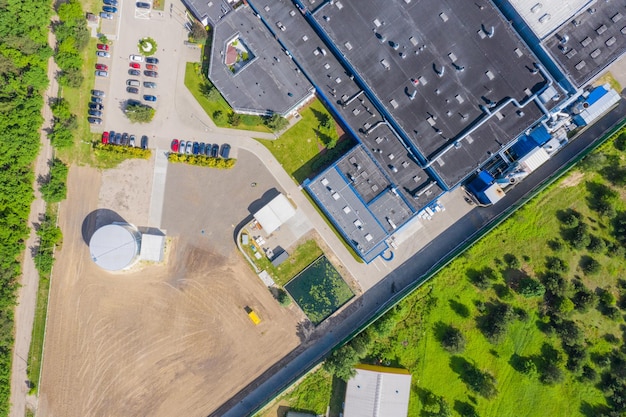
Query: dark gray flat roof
[[268, 83], [208, 11], [594, 41], [391, 43]]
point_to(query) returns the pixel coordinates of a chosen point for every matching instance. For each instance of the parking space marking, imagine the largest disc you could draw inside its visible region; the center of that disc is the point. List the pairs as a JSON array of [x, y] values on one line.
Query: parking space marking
[[158, 188], [142, 14]]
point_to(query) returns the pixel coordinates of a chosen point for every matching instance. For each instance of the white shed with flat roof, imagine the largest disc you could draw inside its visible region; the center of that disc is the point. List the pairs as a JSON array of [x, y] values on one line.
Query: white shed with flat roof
[[275, 213], [378, 391]]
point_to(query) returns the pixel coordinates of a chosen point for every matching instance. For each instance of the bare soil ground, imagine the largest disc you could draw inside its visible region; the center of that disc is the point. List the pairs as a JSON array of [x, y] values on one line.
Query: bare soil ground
[[572, 179], [161, 340]]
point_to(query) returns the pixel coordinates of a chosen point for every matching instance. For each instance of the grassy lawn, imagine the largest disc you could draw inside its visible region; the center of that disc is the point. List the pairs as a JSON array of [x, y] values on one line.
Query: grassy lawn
[[319, 290], [453, 298], [300, 150], [299, 258], [194, 82]]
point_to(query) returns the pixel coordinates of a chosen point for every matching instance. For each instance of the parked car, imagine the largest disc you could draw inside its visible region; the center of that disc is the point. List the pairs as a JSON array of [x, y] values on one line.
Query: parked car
[[225, 151], [182, 147], [152, 67], [149, 84], [134, 72], [97, 93], [215, 150], [96, 106], [105, 137], [102, 74], [133, 83], [132, 102], [105, 15], [95, 99], [109, 9], [124, 138], [132, 90], [174, 145], [110, 2], [148, 97], [196, 148], [135, 65], [118, 138], [144, 142], [102, 67], [102, 47], [94, 120], [152, 60], [207, 151], [152, 74], [136, 58], [188, 147], [132, 141], [202, 149], [103, 54], [142, 5]]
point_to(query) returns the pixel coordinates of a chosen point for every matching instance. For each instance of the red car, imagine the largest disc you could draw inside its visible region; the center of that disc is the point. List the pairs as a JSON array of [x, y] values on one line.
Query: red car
[[105, 137], [175, 145], [102, 47], [135, 65], [151, 67], [102, 67]]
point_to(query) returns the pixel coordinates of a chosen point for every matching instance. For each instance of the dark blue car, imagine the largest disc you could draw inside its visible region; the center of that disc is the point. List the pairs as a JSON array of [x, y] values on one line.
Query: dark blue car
[[110, 2], [225, 151], [196, 148], [215, 149], [109, 9]]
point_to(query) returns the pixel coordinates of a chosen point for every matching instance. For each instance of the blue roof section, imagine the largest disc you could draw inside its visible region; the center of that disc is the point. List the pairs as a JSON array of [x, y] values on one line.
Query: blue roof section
[[540, 135], [523, 146], [482, 181], [596, 95]]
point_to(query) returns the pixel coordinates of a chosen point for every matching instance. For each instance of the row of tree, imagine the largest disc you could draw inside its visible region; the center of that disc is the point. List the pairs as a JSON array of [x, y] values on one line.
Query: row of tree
[[24, 54], [72, 38]]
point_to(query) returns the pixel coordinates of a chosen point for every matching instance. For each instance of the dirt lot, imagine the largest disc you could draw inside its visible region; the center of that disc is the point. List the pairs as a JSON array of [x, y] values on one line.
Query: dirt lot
[[161, 340]]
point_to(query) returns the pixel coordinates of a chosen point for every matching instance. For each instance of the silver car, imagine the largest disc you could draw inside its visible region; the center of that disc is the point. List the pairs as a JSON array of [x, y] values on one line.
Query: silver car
[[181, 147], [149, 84], [189, 147], [103, 54], [102, 74]]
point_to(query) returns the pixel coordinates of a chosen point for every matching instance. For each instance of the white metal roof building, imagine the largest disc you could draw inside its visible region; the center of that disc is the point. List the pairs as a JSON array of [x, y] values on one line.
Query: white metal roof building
[[378, 391], [115, 246], [152, 247], [275, 213], [545, 16]]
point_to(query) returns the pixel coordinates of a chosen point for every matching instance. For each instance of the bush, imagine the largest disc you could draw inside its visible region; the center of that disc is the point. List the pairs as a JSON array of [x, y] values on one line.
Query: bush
[[589, 265], [198, 33], [54, 190], [139, 113], [528, 367], [529, 287], [130, 151], [512, 262], [49, 237], [556, 265], [570, 218], [584, 299], [435, 406], [341, 362], [282, 297], [275, 122], [596, 245], [580, 237], [201, 160], [452, 340], [147, 46], [234, 119]]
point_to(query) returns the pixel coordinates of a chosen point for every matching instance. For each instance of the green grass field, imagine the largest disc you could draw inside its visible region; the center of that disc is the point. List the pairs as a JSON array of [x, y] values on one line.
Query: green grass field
[[194, 82], [319, 290], [301, 151], [451, 298]]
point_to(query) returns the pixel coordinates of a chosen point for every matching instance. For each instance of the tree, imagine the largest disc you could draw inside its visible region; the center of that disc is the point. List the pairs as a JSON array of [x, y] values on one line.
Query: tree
[[452, 340], [139, 113], [282, 297], [54, 189], [590, 266], [198, 33], [341, 362], [529, 287], [234, 119], [528, 367], [275, 122], [435, 406], [71, 77], [512, 262], [557, 265]]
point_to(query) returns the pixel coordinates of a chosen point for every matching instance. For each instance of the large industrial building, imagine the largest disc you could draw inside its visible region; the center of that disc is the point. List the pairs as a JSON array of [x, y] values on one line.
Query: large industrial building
[[433, 91]]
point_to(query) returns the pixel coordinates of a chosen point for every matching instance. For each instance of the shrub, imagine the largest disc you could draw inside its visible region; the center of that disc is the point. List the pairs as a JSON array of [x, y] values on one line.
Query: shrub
[[551, 374], [435, 406], [452, 340], [139, 113], [130, 151], [234, 119], [341, 362], [54, 189], [580, 237], [528, 367], [147, 46], [596, 245], [556, 264], [201, 160], [570, 218], [529, 287], [584, 299], [512, 262], [282, 297], [590, 266], [198, 33], [275, 122]]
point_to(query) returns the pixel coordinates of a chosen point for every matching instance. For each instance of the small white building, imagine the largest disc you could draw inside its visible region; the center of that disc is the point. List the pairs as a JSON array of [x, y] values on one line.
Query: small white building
[[275, 213], [378, 391], [152, 247]]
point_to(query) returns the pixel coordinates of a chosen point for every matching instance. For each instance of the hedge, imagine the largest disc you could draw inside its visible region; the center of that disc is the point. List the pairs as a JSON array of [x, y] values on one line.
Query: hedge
[[203, 161]]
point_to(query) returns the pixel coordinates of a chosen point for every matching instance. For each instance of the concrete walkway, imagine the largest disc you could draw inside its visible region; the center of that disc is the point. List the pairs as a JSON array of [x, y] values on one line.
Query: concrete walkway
[[29, 281]]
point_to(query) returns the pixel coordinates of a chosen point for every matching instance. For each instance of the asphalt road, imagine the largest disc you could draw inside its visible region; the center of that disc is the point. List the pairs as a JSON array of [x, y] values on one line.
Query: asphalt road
[[410, 274]]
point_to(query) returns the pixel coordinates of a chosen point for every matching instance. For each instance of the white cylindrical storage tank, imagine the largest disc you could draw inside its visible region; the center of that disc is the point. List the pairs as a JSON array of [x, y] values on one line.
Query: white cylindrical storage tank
[[115, 246]]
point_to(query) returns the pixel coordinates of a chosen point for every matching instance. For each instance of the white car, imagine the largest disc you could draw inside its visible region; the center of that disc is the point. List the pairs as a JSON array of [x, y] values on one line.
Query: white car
[[136, 58]]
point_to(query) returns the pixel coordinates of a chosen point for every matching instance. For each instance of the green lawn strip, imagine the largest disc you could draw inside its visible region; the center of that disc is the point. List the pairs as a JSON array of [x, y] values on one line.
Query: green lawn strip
[[312, 394], [300, 258], [35, 352], [194, 82], [300, 150], [319, 290], [78, 99]]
